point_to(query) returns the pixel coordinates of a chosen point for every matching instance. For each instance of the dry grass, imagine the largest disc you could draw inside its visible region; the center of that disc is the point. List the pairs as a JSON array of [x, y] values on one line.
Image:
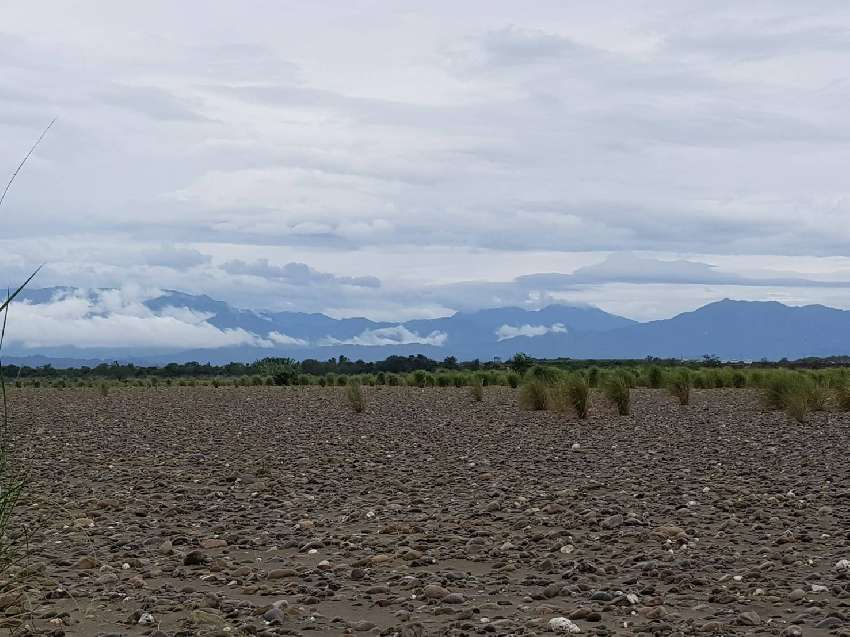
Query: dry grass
[[355, 396]]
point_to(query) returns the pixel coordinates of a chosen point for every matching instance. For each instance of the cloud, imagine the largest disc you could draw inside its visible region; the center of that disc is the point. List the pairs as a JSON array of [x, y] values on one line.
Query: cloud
[[295, 273], [397, 335], [110, 320], [512, 331], [716, 131], [279, 338], [171, 256], [154, 102]]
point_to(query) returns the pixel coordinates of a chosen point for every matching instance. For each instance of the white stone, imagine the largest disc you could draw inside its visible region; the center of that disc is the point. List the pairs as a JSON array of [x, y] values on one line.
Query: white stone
[[819, 588], [842, 566], [576, 446], [567, 549], [563, 626], [146, 619]]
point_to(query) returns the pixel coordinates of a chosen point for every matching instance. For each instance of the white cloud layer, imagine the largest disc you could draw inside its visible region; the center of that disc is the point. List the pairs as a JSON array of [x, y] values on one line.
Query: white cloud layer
[[109, 321], [512, 331], [396, 335]]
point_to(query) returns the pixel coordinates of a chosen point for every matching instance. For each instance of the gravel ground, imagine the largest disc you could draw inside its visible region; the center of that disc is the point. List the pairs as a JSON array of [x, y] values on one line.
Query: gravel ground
[[278, 511]]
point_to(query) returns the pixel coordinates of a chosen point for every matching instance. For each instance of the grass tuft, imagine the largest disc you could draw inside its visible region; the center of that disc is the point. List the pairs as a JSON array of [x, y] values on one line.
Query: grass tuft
[[680, 386], [355, 396], [533, 395], [476, 389], [617, 389]]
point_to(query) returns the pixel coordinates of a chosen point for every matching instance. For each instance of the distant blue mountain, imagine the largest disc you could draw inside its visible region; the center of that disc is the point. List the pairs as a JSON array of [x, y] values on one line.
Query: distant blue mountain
[[732, 330]]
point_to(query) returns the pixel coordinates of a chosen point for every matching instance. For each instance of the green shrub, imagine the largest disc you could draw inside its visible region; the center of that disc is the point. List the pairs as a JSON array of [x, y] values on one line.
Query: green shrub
[[617, 389], [393, 380], [513, 380], [104, 389], [593, 377]]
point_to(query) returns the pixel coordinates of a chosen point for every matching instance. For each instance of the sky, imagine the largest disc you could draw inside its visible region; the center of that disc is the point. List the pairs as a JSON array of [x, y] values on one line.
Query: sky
[[399, 160]]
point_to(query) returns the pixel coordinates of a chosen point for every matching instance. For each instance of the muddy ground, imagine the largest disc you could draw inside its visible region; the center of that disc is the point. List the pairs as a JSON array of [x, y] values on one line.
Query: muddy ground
[[278, 511]]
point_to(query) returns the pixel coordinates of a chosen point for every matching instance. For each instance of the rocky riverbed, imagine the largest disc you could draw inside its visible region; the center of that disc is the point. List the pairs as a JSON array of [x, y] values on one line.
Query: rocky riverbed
[[279, 511]]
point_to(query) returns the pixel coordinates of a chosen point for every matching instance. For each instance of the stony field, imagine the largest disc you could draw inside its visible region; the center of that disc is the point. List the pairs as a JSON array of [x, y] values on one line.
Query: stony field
[[279, 511]]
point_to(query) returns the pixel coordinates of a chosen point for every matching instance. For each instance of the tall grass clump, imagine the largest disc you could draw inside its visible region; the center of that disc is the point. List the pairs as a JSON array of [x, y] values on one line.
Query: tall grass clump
[[655, 377], [842, 396], [680, 386], [797, 403], [776, 389], [354, 392], [476, 389], [617, 389], [533, 395], [544, 374], [578, 391]]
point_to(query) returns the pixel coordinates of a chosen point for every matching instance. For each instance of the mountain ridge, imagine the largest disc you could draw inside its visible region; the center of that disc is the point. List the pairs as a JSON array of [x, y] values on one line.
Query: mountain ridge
[[730, 329]]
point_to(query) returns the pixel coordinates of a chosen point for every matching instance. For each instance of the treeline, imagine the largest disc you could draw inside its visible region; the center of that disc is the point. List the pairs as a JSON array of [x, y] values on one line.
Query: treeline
[[284, 371], [286, 367]]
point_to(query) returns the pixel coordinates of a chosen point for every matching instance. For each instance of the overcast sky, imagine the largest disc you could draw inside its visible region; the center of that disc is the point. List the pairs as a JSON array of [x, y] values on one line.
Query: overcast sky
[[397, 160]]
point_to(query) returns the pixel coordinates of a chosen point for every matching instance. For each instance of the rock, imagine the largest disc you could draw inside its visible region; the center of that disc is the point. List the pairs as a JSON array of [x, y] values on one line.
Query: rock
[[829, 623], [212, 543], [562, 625], [612, 522], [146, 619], [749, 618], [412, 630], [796, 595], [86, 564], [820, 588], [195, 558], [842, 566], [434, 591], [280, 573], [792, 631], [363, 626], [275, 616], [454, 598], [206, 617]]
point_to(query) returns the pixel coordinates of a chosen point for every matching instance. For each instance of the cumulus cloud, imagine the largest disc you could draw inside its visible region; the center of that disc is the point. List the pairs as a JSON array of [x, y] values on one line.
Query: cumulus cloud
[[512, 331], [396, 335]]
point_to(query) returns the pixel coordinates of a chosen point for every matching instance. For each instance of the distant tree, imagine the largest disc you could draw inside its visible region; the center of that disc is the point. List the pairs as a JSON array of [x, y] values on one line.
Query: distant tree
[[521, 363]]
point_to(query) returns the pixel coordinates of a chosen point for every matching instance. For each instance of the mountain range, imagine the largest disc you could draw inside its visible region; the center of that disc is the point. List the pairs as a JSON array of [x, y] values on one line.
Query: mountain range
[[730, 330]]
